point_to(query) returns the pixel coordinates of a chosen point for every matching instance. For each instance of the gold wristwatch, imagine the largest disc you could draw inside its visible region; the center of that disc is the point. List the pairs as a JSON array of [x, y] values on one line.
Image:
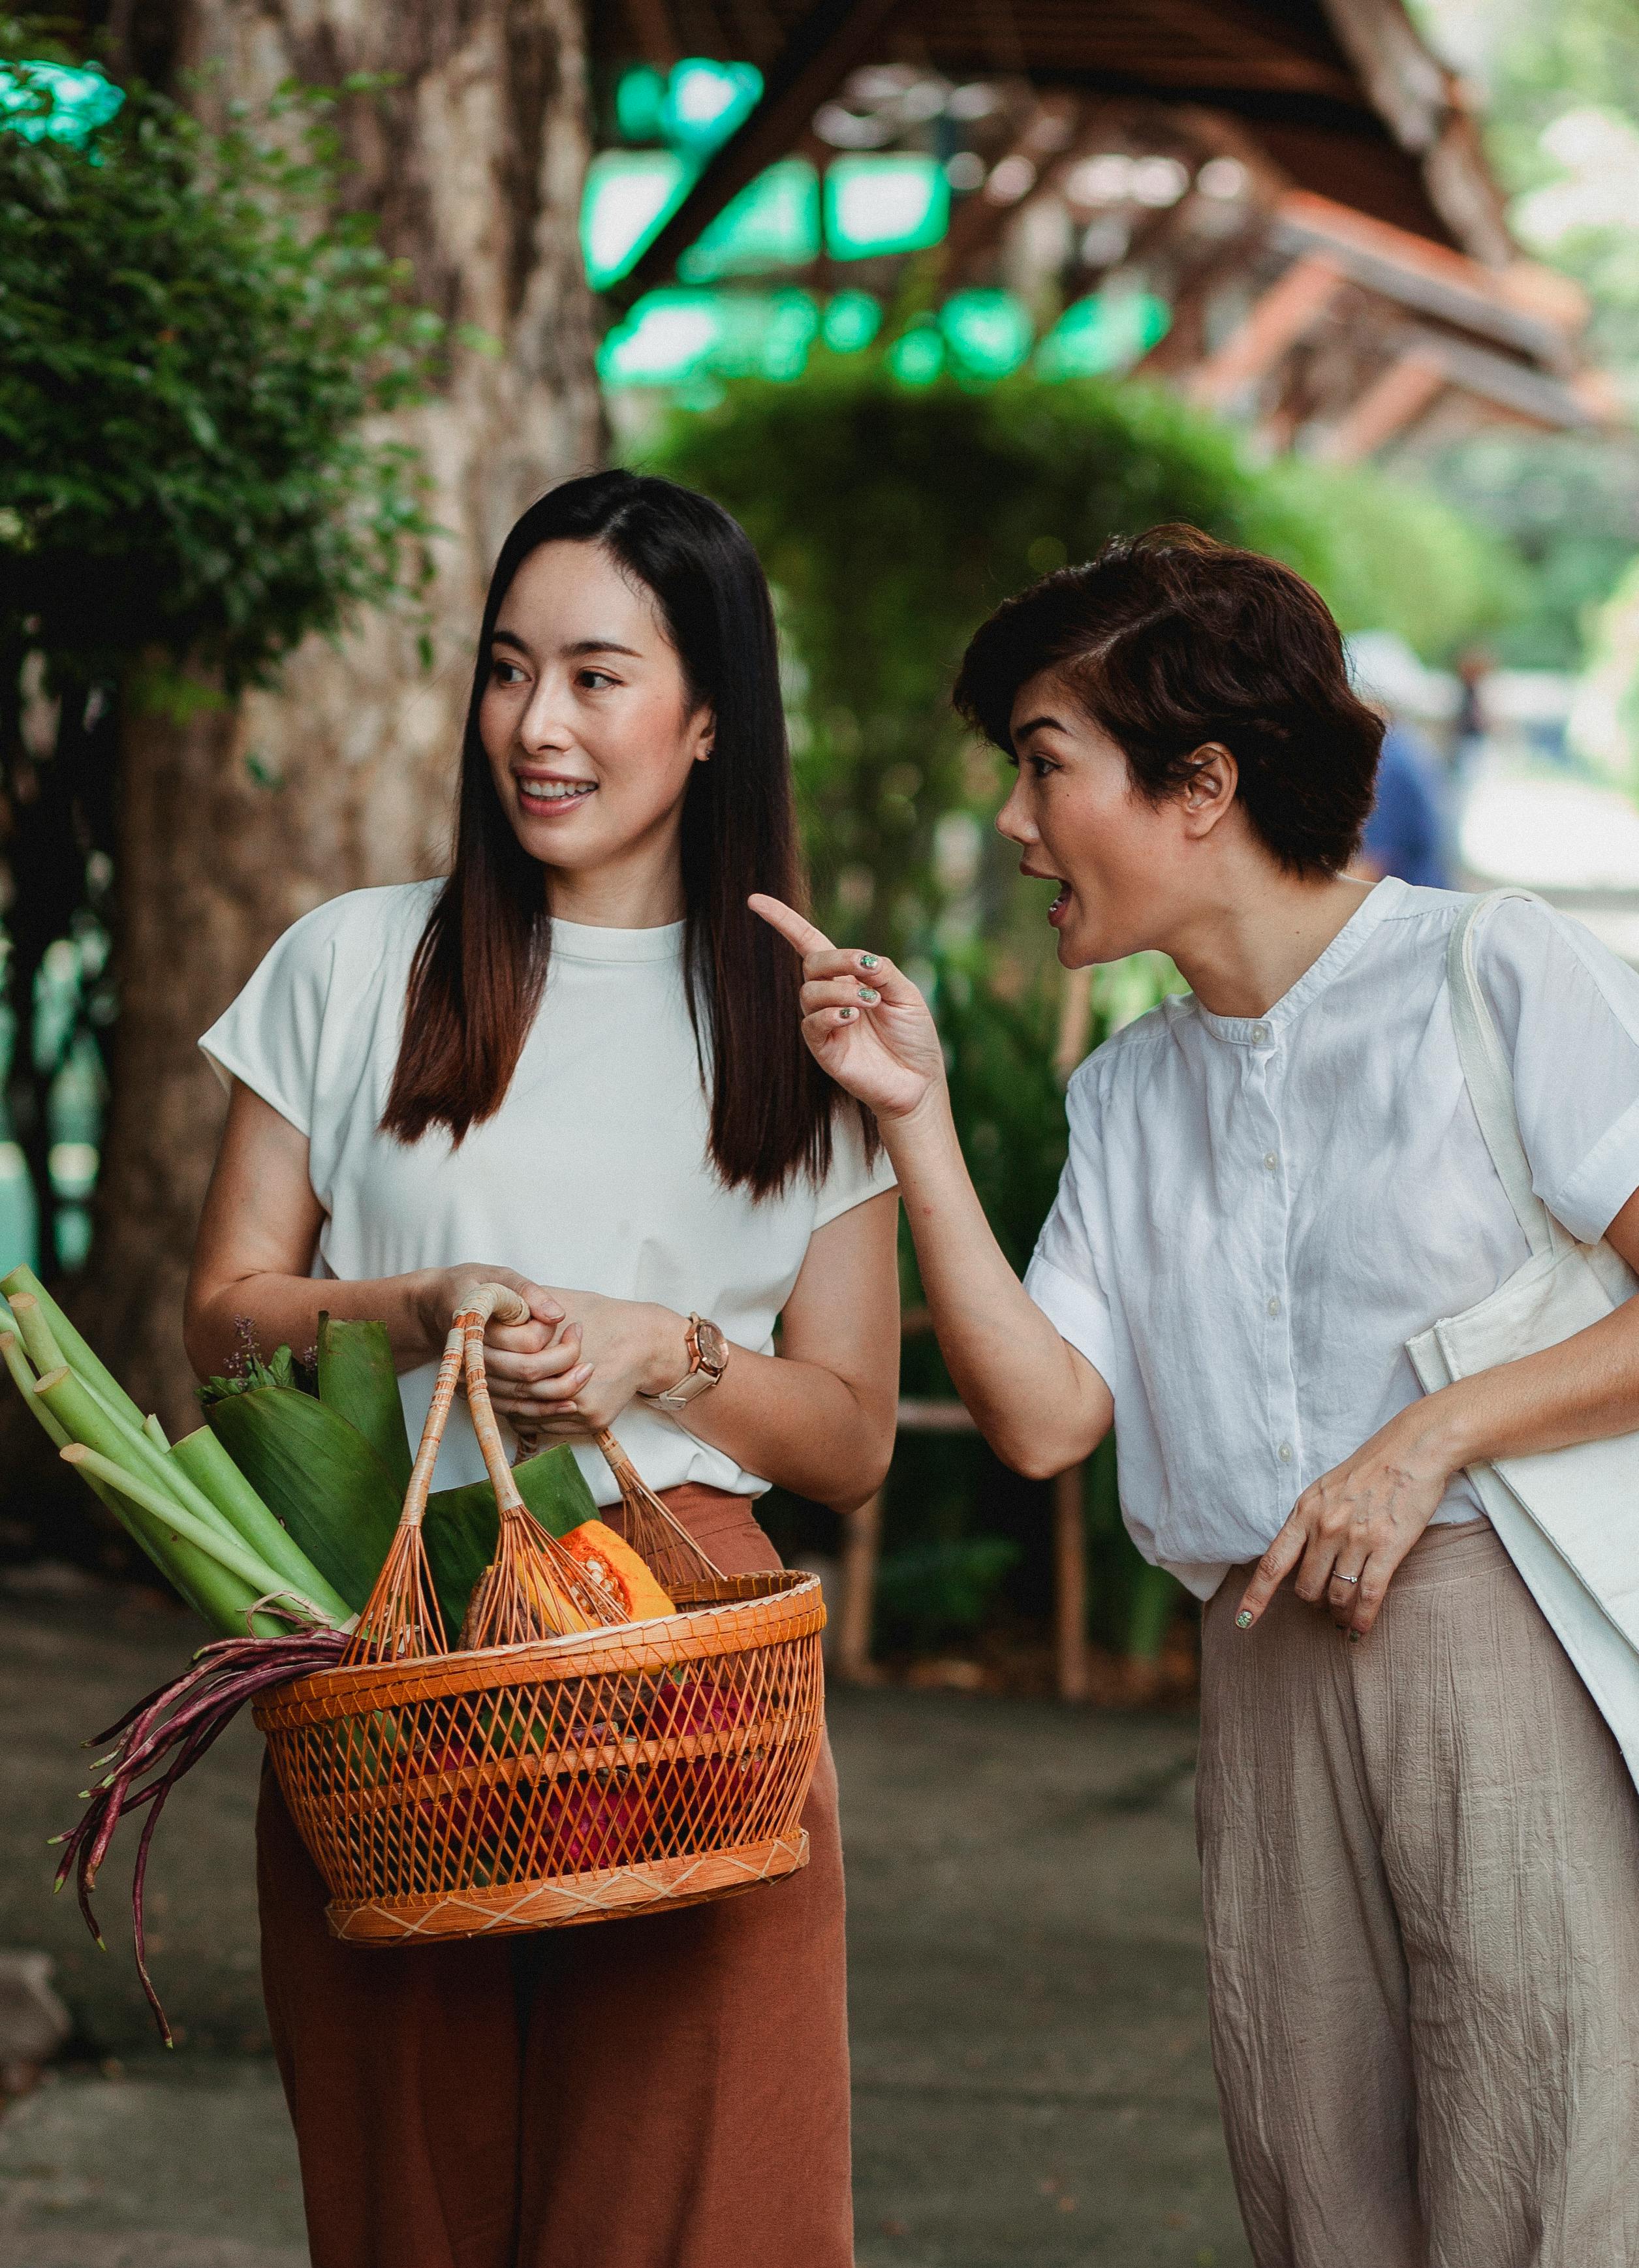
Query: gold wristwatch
[[708, 1359]]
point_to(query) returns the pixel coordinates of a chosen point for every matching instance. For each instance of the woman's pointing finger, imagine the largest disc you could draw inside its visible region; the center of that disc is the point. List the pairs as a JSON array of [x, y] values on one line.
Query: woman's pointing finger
[[793, 926]]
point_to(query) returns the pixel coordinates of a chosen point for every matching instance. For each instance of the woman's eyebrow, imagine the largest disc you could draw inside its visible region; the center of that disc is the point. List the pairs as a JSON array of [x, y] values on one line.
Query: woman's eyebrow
[[1038, 724], [577, 646]]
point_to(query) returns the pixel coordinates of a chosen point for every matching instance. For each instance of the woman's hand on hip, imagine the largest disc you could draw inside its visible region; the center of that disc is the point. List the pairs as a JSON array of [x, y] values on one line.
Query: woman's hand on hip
[[1350, 1529], [865, 1023], [567, 1384]]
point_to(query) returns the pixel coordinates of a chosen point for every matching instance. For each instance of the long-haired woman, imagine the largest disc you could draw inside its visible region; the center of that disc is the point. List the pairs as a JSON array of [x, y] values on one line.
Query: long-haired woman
[[573, 1066], [1420, 1842]]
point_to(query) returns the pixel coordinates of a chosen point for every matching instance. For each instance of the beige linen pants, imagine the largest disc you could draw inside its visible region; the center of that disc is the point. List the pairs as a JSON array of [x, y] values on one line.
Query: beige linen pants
[[1421, 1869]]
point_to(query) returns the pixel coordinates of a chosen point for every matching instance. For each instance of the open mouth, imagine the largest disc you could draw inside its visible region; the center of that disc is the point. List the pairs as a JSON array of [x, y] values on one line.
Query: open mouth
[[554, 795], [1061, 905]]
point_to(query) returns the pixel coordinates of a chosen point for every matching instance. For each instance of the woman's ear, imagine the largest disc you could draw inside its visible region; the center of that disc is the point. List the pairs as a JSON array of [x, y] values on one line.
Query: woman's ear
[[705, 737], [1210, 789]]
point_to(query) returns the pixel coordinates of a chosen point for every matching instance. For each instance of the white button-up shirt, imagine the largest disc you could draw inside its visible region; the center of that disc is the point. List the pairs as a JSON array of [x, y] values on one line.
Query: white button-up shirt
[[1257, 1214]]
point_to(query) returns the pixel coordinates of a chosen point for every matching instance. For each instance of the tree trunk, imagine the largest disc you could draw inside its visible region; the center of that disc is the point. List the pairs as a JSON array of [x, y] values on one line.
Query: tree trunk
[[237, 820]]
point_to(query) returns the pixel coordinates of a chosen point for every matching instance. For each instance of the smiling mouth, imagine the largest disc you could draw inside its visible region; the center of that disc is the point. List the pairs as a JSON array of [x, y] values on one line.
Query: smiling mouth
[[554, 794]]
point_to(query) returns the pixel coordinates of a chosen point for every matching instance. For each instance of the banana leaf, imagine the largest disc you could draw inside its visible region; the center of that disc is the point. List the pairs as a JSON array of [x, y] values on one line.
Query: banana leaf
[[462, 1526], [319, 1476], [357, 1381]]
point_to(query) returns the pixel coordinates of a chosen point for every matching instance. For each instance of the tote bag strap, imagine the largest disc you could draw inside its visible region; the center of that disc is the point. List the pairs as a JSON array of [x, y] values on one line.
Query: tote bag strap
[[1489, 1080]]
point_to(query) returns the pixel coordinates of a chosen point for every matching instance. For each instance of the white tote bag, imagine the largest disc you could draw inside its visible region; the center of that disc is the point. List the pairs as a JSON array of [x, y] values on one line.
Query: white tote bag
[[1568, 1519]]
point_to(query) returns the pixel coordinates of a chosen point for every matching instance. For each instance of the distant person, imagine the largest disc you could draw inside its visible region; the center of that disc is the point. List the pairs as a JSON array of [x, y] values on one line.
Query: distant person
[[1420, 1841], [1405, 833]]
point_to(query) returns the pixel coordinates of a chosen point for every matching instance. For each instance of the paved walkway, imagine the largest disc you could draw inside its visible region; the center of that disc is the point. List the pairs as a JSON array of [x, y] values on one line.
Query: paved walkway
[[1029, 2034]]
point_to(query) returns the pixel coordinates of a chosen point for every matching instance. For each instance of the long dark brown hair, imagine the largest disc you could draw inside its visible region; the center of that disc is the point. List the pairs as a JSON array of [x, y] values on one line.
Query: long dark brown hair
[[480, 968]]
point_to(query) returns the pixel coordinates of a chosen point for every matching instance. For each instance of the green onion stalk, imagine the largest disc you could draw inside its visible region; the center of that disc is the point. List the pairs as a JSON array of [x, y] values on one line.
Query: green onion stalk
[[209, 1532]]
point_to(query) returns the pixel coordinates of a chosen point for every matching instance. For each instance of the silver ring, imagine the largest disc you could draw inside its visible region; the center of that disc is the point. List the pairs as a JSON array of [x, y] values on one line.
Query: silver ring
[[1337, 1578]]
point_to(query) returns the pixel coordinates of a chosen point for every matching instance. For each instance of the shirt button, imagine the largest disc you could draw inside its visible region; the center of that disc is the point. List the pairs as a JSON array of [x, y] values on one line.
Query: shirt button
[[1274, 1307], [1270, 1161], [1285, 1452], [1261, 1032]]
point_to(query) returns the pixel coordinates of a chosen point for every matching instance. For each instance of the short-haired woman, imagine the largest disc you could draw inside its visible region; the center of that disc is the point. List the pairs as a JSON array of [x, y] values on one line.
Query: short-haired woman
[[1420, 1845], [574, 1066]]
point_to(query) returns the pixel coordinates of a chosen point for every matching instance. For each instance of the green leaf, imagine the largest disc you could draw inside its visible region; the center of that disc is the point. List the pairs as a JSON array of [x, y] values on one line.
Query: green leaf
[[462, 1525], [358, 1380], [319, 1476]]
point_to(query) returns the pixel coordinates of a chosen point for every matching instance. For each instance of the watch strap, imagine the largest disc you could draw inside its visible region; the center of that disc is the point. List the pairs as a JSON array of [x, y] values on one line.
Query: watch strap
[[698, 1379]]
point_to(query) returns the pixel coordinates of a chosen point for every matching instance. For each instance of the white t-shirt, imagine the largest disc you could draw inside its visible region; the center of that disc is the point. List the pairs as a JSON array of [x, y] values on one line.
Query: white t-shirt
[[593, 1175], [1258, 1212]]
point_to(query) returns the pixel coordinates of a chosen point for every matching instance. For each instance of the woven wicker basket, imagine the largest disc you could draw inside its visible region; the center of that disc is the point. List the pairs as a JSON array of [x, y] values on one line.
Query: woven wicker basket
[[624, 1769]]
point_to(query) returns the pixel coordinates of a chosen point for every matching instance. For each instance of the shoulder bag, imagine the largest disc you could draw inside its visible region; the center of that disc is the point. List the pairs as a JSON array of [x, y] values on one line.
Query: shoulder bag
[[1568, 1518]]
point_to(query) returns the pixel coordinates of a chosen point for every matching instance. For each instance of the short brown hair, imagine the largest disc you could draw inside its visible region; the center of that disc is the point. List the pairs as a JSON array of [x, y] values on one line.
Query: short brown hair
[[1171, 640]]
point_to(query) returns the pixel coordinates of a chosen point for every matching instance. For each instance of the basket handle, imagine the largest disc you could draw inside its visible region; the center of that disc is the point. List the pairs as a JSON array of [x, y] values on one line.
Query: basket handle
[[464, 1348]]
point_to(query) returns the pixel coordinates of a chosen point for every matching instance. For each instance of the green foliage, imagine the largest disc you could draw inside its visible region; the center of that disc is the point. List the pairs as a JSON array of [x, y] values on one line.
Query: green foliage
[[932, 1591], [191, 343], [247, 1371], [1396, 557], [891, 522], [1005, 1095], [1567, 505], [1561, 81], [1538, 61]]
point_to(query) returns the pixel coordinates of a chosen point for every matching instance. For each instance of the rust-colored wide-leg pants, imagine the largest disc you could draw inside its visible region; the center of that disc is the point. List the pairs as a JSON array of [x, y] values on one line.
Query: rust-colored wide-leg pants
[[670, 2093]]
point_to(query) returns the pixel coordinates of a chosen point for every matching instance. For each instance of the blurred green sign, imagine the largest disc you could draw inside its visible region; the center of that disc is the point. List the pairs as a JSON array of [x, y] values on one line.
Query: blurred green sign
[[52, 101], [1105, 332], [629, 194], [706, 101], [640, 104], [895, 203], [674, 336], [851, 320], [988, 333], [917, 356], [773, 223]]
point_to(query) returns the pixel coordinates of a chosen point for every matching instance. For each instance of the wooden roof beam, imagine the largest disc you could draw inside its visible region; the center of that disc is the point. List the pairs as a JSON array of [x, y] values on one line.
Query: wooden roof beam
[[1396, 399], [820, 51], [1274, 325]]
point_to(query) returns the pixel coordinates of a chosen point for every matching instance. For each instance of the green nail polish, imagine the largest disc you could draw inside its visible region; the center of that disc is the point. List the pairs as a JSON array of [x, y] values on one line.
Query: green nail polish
[[1354, 1637], [869, 961], [867, 994], [845, 1015], [1244, 1620]]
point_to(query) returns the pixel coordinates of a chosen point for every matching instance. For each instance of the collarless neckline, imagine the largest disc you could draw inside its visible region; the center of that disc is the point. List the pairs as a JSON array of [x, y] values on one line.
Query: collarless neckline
[[1256, 1031], [582, 941]]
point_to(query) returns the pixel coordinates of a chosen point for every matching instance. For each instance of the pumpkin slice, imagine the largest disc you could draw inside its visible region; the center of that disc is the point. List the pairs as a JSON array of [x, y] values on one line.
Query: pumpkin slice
[[610, 1560]]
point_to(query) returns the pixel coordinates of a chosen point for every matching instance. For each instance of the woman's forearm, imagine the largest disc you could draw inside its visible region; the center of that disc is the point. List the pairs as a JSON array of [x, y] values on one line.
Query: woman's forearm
[[1585, 1389], [1040, 1405], [798, 1425], [284, 1311]]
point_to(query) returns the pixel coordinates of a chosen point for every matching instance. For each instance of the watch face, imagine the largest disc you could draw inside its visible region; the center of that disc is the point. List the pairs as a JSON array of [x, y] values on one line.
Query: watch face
[[712, 1345]]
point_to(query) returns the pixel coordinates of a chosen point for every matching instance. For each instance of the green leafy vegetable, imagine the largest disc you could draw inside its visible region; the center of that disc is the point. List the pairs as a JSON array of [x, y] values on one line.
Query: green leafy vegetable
[[319, 1476], [462, 1525], [358, 1380]]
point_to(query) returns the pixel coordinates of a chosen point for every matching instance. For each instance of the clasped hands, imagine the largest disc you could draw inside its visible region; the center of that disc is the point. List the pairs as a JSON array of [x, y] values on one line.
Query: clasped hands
[[578, 1362]]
